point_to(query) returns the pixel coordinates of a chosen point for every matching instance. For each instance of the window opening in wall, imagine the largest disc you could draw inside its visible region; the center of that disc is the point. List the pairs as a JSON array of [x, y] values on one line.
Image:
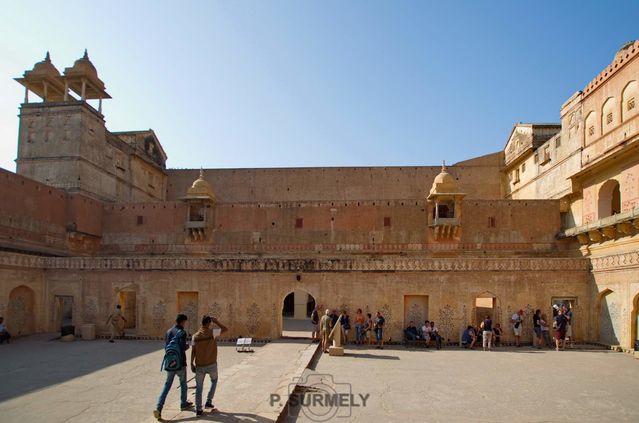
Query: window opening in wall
[[299, 223], [523, 167], [445, 210], [609, 199], [546, 157], [536, 158], [516, 176], [140, 220], [615, 202], [196, 213], [387, 222], [558, 142], [491, 222]]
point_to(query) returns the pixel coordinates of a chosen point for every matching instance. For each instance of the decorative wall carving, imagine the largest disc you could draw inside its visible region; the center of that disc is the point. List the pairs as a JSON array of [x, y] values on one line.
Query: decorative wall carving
[[389, 264], [446, 317], [216, 310], [90, 310], [616, 261], [158, 315], [253, 316], [416, 314]]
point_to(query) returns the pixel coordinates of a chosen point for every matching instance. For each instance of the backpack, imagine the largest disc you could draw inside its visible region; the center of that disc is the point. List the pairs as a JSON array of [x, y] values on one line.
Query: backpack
[[173, 354]]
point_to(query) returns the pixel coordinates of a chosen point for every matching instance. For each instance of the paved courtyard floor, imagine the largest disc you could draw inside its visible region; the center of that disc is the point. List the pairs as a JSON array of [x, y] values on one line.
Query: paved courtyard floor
[[456, 385], [94, 381], [85, 381]]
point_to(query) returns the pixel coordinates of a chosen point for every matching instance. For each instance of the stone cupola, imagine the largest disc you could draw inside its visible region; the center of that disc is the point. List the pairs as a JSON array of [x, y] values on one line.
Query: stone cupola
[[44, 80], [444, 211], [82, 78], [201, 200]]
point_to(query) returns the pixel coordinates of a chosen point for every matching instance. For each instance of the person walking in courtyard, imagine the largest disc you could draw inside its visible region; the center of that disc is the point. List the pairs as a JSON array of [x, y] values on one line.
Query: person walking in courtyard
[[117, 320], [487, 335], [560, 331], [175, 345], [379, 330], [325, 329], [537, 328], [4, 334], [517, 322], [359, 326], [204, 361]]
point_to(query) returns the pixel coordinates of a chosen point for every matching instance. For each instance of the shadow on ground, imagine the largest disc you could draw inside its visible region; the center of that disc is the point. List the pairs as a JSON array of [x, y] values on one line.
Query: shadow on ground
[[375, 356], [226, 417], [38, 361]]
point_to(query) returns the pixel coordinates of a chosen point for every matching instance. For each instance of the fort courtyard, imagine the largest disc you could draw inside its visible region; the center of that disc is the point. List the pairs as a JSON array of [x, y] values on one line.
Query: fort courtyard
[[104, 247], [95, 381]]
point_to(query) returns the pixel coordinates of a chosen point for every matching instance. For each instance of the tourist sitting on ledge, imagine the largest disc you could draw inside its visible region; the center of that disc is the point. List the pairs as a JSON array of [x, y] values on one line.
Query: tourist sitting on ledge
[[497, 335], [411, 332], [433, 335], [469, 338], [4, 334]]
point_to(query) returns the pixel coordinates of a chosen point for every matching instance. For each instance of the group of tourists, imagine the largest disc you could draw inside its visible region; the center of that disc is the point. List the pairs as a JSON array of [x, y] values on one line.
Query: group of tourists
[[428, 332], [491, 334], [561, 324], [367, 329], [203, 363]]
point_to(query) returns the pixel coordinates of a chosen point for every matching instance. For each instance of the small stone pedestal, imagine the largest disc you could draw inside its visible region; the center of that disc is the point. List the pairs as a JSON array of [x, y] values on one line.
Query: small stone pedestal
[[335, 351]]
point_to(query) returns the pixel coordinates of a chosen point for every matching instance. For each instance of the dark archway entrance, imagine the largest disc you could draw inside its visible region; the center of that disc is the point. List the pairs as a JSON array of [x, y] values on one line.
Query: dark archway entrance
[[297, 307]]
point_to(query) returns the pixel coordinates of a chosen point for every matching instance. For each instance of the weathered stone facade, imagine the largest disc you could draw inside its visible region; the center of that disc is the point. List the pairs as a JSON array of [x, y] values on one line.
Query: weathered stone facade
[[95, 217]]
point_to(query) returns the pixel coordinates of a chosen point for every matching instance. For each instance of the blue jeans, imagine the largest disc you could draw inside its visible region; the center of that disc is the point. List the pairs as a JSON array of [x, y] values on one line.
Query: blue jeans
[[359, 333], [200, 375], [379, 334], [181, 374]]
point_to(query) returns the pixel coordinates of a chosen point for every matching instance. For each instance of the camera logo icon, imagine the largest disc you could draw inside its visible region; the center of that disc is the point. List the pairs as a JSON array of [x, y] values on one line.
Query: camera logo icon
[[319, 397]]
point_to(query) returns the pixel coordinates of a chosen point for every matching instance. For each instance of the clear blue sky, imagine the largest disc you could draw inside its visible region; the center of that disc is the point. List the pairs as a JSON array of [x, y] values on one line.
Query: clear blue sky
[[318, 83]]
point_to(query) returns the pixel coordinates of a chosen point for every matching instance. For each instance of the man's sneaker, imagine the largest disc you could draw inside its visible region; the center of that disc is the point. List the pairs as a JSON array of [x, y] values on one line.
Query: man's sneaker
[[157, 414], [186, 406], [199, 413], [209, 404]]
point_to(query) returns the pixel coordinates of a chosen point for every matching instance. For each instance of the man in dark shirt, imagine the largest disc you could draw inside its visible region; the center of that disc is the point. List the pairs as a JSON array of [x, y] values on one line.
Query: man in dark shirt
[[487, 333], [179, 331], [537, 327], [334, 318]]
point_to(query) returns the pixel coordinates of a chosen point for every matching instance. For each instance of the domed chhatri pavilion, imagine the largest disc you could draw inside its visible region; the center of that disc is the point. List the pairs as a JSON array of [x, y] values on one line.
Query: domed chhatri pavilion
[[94, 218]]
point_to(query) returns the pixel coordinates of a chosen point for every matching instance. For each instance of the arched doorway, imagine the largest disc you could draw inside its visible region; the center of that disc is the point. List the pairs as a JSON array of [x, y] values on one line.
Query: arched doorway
[[609, 199], [609, 317], [20, 318], [297, 307]]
